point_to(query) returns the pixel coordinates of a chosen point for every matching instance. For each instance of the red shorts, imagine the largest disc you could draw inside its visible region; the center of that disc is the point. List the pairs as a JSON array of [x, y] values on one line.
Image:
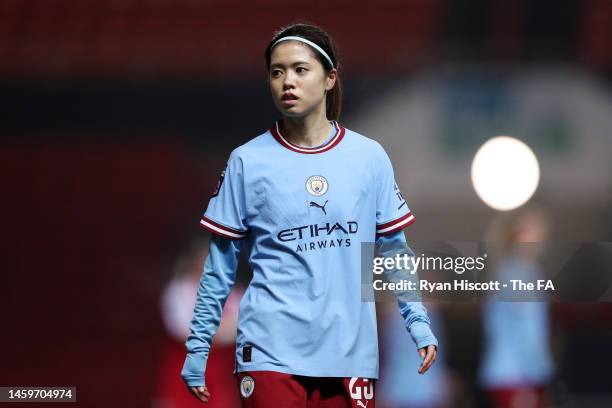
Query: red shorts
[[528, 396], [260, 389]]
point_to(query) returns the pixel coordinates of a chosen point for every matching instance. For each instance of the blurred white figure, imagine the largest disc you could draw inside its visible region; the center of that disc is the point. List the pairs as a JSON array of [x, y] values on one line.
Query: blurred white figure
[[178, 301], [177, 304]]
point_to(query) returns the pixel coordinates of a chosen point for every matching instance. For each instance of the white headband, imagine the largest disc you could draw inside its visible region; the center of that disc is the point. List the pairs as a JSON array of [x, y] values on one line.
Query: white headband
[[313, 45]]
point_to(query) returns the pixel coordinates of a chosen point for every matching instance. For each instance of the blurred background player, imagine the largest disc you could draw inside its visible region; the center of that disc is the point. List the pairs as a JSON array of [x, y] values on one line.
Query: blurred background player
[[177, 304], [517, 364]]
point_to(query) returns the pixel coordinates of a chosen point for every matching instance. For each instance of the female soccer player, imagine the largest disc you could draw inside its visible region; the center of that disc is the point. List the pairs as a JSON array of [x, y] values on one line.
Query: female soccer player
[[300, 199]]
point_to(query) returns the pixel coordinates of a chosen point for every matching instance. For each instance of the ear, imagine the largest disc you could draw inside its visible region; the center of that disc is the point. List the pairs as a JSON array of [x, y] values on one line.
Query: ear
[[330, 81]]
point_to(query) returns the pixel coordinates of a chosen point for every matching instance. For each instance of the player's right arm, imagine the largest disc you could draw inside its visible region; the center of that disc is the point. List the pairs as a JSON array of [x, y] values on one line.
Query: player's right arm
[[225, 217], [216, 283]]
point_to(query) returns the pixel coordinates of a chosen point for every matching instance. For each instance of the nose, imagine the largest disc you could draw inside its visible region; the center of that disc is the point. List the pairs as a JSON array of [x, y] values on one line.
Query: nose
[[288, 81]]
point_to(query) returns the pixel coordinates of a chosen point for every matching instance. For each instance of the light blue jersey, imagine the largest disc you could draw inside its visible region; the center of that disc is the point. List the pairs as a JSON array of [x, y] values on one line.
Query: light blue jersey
[[301, 215], [517, 334]]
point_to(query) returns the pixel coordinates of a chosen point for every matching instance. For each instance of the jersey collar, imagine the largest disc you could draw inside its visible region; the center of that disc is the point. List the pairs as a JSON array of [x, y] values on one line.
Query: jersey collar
[[340, 131]]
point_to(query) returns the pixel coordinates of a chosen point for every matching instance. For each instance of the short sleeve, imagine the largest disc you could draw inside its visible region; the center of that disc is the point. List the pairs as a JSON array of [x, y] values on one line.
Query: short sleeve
[[392, 211], [225, 214]]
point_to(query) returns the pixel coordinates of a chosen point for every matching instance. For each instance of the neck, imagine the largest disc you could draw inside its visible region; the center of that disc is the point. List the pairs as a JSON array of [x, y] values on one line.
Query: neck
[[307, 131]]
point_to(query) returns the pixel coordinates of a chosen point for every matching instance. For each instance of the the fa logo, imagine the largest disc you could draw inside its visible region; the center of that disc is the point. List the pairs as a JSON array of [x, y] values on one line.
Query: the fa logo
[[359, 392], [247, 386], [219, 182], [399, 195]]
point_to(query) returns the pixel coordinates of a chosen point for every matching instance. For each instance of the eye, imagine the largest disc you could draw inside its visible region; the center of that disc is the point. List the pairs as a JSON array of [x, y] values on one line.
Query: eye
[[275, 72], [300, 70]]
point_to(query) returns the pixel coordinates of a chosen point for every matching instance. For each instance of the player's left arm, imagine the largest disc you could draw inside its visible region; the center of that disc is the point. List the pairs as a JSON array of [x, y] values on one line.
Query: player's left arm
[[392, 216], [412, 310]]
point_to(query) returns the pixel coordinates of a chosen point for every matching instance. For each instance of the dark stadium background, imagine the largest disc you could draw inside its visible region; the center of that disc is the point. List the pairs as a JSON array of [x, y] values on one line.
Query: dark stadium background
[[117, 116]]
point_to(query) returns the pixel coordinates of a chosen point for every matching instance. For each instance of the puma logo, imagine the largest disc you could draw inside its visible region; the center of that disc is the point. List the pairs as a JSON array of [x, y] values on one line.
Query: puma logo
[[361, 404], [322, 207]]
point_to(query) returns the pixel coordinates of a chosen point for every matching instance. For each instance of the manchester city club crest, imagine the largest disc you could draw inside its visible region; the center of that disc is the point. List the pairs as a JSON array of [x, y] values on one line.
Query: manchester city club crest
[[247, 385], [316, 185]]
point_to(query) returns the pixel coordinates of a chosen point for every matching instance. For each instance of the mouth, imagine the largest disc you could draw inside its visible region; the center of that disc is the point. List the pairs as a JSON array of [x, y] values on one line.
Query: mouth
[[289, 97]]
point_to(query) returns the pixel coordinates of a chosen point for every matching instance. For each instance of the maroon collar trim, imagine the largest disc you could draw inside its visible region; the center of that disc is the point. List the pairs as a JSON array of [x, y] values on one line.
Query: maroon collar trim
[[340, 132]]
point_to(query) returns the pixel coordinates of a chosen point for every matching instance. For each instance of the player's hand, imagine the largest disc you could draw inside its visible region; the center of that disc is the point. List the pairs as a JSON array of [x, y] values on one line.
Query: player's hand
[[428, 354], [200, 393]]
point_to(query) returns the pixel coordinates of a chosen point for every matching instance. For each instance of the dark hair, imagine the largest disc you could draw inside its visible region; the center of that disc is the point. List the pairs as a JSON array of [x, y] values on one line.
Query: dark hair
[[333, 102]]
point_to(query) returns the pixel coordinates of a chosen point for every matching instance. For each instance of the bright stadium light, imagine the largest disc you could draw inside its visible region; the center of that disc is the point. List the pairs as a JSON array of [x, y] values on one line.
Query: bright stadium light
[[505, 173]]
